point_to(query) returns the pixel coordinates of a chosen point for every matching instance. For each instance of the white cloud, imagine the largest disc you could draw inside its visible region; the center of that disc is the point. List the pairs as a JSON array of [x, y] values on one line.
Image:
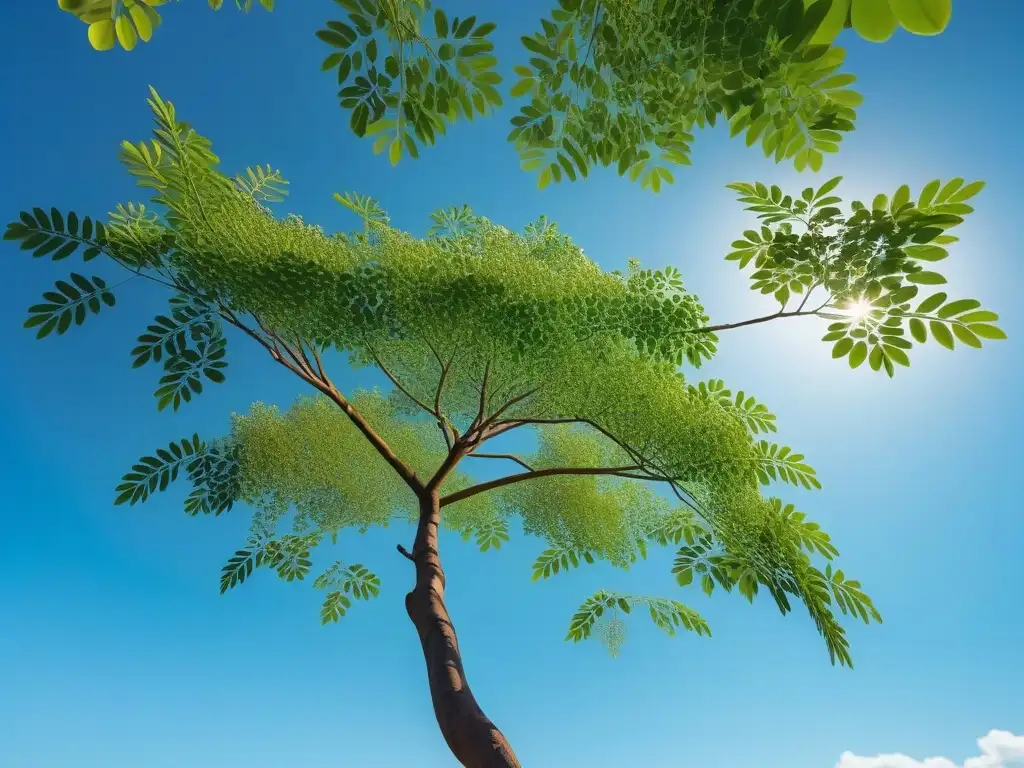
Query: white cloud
[[999, 749]]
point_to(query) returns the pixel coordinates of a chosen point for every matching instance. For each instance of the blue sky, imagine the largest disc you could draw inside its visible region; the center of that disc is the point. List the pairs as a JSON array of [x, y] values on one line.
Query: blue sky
[[116, 650]]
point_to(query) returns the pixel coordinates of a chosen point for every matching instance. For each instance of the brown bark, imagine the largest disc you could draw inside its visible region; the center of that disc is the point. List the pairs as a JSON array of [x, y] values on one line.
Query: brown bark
[[474, 740]]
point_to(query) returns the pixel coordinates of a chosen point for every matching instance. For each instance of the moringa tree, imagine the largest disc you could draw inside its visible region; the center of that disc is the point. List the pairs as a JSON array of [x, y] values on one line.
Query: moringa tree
[[620, 83], [483, 332]]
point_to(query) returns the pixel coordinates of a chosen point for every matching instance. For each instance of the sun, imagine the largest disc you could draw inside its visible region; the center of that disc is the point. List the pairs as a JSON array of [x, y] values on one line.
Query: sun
[[858, 309]]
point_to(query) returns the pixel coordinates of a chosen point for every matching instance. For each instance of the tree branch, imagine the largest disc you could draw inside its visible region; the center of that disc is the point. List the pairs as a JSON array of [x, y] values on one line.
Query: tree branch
[[319, 362], [396, 382], [508, 456], [754, 321], [532, 475], [807, 296], [442, 422], [327, 388], [494, 416], [650, 472], [482, 412]]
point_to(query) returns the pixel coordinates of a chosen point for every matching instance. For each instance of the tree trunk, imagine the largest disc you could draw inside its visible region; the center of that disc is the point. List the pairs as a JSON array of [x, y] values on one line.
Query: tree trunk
[[471, 736]]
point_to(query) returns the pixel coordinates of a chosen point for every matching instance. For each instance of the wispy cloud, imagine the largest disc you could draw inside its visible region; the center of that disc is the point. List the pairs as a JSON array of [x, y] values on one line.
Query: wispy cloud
[[999, 749]]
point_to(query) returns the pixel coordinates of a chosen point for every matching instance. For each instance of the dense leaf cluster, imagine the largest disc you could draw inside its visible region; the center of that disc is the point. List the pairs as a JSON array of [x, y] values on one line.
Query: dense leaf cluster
[[870, 265], [620, 83], [405, 74], [624, 82]]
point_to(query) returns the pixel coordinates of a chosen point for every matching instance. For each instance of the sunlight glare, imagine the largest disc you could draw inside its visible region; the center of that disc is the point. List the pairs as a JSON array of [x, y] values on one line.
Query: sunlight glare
[[858, 309]]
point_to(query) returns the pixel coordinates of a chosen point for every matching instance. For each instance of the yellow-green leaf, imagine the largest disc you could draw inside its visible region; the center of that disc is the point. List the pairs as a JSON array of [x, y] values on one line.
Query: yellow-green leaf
[[966, 336], [873, 19], [901, 198], [522, 87], [967, 192], [379, 143], [858, 354], [101, 35], [923, 17], [986, 331], [940, 332], [125, 32], [928, 193], [832, 24], [143, 23], [395, 151]]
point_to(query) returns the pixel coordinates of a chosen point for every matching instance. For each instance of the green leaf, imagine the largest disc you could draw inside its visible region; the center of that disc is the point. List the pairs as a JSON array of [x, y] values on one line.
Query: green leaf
[[928, 193], [986, 331], [940, 332], [932, 303], [842, 347], [926, 278], [966, 336], [858, 354], [395, 151], [958, 307], [923, 17], [968, 191], [925, 252], [873, 20]]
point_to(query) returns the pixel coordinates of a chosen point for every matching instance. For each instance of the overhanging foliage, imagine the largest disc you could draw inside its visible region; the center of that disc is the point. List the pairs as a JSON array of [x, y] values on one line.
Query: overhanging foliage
[[620, 83]]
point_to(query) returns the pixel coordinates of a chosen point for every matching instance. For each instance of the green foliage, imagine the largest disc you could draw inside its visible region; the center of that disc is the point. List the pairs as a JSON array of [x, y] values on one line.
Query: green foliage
[[877, 20], [753, 414], [482, 330], [850, 597], [212, 468], [559, 558], [588, 517], [812, 539], [675, 527], [620, 83], [355, 579], [601, 614], [366, 208], [869, 267], [405, 75], [490, 534], [625, 82], [126, 22], [56, 237], [263, 184], [72, 301], [290, 557], [779, 462]]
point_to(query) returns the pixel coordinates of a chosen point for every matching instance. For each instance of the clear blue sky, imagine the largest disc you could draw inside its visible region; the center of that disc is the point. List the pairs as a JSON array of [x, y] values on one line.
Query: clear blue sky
[[116, 650]]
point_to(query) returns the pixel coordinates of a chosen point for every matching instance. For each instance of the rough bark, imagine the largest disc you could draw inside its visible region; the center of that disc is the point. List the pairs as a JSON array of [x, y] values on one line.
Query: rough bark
[[474, 740]]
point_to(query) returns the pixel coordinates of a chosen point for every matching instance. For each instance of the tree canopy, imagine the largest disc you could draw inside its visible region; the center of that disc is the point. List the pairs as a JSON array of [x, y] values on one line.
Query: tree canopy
[[483, 331], [620, 83]]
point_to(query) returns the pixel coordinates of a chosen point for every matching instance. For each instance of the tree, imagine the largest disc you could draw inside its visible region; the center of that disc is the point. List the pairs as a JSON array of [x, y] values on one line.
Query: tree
[[609, 82], [483, 332]]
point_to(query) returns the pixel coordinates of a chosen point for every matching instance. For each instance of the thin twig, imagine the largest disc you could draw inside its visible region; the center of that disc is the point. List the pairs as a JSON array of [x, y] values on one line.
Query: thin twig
[[508, 456], [396, 382], [494, 416], [483, 399]]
